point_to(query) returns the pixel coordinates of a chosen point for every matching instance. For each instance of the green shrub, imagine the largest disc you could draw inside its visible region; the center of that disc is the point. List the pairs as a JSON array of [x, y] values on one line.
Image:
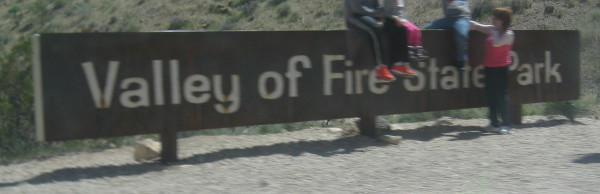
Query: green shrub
[[274, 3], [571, 3], [428, 116], [40, 10], [482, 10], [4, 39], [217, 9], [558, 12], [14, 10], [128, 23], [249, 8], [16, 100], [58, 4], [179, 23], [518, 6], [569, 109], [39, 7], [533, 109], [283, 11], [257, 129], [590, 32], [237, 3], [82, 9]]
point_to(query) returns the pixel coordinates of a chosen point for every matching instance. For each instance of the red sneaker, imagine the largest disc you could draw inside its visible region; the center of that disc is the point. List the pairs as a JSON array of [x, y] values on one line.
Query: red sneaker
[[383, 73], [401, 70]]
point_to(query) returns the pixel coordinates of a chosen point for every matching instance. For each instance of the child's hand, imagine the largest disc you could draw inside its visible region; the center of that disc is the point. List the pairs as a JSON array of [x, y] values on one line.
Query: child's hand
[[399, 21], [379, 12]]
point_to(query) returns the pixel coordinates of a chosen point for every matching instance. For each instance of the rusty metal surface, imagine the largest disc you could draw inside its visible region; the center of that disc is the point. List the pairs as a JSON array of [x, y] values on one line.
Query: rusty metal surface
[[202, 80]]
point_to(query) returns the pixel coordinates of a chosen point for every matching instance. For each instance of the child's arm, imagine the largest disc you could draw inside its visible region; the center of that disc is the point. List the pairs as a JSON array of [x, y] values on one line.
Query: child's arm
[[487, 29]]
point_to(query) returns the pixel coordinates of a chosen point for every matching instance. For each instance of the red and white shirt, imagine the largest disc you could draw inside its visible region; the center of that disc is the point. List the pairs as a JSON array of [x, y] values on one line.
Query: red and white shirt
[[497, 45]]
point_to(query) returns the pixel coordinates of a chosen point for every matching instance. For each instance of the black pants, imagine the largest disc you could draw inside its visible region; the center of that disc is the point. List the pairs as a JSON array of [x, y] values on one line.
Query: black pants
[[396, 38], [389, 42], [496, 83]]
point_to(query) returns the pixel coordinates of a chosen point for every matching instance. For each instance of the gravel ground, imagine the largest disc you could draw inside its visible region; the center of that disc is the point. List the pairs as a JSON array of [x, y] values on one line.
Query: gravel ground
[[544, 155]]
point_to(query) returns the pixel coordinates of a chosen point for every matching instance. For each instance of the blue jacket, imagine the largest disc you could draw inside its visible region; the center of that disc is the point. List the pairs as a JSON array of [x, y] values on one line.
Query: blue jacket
[[457, 8]]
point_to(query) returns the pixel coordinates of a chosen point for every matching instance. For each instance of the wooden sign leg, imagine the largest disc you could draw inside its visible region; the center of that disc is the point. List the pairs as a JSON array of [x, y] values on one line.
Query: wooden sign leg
[[367, 126], [168, 140], [516, 114]]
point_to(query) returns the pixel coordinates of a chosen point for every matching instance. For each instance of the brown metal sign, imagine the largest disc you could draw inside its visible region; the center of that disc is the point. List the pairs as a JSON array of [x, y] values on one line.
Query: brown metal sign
[[114, 84]]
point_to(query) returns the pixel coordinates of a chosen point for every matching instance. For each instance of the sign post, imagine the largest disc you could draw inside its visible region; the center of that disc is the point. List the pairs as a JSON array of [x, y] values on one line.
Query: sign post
[[367, 126], [168, 140]]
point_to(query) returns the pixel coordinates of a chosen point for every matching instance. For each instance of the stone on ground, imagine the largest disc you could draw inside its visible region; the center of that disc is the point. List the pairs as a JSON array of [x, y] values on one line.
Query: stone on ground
[[146, 150]]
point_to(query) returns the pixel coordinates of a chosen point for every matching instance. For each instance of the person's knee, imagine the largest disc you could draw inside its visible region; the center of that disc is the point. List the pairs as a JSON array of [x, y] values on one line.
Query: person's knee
[[461, 33], [428, 26], [410, 26], [462, 27]]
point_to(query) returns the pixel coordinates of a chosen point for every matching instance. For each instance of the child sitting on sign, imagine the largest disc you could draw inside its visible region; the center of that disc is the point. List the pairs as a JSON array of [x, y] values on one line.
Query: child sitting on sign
[[388, 39], [395, 9], [457, 14]]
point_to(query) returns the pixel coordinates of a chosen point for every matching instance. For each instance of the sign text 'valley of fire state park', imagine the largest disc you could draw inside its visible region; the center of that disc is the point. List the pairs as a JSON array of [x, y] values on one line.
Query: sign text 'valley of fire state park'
[[114, 84]]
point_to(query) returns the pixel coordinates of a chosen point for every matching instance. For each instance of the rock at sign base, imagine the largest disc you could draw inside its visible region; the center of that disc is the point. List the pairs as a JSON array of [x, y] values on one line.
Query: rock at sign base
[[390, 139], [335, 130], [146, 150], [443, 121]]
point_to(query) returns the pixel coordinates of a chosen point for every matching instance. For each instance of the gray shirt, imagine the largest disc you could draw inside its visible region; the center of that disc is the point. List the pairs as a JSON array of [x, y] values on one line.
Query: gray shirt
[[456, 8], [357, 8], [373, 8], [394, 8]]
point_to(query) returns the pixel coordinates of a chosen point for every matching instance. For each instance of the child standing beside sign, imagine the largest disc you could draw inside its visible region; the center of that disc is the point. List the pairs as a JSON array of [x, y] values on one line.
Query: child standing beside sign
[[496, 61]]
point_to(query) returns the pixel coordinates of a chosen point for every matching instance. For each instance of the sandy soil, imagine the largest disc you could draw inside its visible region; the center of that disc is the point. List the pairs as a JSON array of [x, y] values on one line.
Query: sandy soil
[[544, 155]]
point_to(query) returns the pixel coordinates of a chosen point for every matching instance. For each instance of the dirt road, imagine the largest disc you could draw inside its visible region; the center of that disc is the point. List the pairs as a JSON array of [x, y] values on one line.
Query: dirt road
[[544, 155]]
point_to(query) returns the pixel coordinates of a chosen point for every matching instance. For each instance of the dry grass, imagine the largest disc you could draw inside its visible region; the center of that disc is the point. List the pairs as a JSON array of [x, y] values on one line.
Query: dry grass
[[21, 18]]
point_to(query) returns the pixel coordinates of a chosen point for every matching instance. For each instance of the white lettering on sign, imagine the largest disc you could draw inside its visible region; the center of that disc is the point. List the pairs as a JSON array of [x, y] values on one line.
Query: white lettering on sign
[[278, 81], [102, 99], [445, 78], [158, 87], [293, 74], [419, 80], [175, 87], [233, 97], [197, 89], [338, 72], [328, 74], [532, 74], [353, 80], [135, 97]]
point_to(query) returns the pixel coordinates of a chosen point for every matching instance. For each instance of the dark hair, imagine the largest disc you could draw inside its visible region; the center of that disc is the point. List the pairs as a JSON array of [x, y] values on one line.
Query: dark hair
[[504, 14]]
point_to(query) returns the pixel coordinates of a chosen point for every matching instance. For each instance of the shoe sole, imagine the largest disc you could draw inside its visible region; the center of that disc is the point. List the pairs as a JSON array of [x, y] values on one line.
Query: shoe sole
[[486, 130], [502, 132], [418, 59], [490, 131], [391, 80], [405, 75]]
